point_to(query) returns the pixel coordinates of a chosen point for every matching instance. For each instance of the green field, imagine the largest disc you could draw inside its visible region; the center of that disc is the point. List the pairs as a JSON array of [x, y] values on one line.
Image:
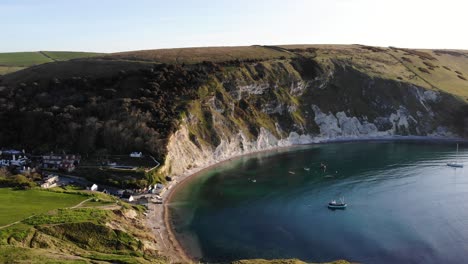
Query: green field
[[23, 59], [68, 55], [19, 204], [14, 61]]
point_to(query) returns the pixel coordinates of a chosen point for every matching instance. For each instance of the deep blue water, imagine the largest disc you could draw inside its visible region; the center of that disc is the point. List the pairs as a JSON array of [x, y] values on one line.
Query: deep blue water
[[404, 205]]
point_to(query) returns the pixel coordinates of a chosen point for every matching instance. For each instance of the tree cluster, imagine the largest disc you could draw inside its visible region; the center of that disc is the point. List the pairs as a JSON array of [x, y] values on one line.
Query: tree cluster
[[129, 111]]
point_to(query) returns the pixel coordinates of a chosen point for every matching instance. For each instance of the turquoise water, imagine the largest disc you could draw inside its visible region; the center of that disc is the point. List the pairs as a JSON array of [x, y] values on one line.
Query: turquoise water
[[404, 205]]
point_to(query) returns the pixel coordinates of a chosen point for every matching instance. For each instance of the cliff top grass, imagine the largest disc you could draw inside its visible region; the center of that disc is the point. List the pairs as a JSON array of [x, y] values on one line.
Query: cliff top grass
[[82, 235], [444, 70], [15, 61], [19, 204], [198, 55]]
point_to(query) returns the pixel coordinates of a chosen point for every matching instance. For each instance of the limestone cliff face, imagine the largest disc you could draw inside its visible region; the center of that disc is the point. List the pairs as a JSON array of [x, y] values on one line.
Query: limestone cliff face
[[282, 103]]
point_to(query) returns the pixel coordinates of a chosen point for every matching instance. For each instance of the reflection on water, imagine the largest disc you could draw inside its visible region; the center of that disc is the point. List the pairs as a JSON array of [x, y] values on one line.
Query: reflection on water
[[404, 205]]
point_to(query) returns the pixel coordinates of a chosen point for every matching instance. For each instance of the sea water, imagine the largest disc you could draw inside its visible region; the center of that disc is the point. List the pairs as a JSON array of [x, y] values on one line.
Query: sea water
[[404, 205]]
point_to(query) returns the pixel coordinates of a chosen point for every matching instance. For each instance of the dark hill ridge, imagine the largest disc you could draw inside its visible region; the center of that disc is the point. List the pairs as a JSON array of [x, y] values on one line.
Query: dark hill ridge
[[192, 107]]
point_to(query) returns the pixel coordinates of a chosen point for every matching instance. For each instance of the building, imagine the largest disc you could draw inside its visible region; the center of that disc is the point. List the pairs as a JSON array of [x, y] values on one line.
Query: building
[[13, 158], [50, 181], [157, 189], [104, 191], [136, 155], [4, 163], [25, 170], [92, 187], [128, 197], [61, 162]]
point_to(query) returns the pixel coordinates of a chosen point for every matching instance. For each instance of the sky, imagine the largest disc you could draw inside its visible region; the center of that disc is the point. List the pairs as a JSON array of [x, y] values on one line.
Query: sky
[[122, 25]]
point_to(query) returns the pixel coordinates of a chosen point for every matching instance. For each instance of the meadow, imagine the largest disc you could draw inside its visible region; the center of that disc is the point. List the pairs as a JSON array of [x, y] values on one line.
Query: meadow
[[15, 61], [19, 204]]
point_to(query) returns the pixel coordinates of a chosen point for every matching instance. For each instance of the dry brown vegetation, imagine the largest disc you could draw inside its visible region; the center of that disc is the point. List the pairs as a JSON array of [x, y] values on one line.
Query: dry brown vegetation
[[373, 49], [407, 59], [450, 52], [424, 70], [430, 65], [421, 54], [198, 55]]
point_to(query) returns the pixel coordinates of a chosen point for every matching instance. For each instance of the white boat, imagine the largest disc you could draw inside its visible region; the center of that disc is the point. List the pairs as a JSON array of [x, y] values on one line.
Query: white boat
[[337, 205], [455, 164]]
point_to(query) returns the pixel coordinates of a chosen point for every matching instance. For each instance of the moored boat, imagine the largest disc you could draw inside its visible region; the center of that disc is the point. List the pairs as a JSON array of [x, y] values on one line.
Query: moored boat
[[455, 164], [337, 205]]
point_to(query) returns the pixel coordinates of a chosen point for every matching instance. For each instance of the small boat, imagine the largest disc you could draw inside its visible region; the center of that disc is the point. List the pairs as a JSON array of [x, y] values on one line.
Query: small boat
[[323, 167], [254, 181], [291, 172], [455, 164], [337, 205], [307, 169]]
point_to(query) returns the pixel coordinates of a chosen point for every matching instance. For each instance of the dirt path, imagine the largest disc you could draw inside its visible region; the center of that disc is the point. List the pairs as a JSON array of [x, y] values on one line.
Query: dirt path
[[78, 205], [14, 223]]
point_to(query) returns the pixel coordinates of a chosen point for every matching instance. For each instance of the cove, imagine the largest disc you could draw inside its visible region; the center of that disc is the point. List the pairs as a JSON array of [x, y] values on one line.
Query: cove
[[404, 205]]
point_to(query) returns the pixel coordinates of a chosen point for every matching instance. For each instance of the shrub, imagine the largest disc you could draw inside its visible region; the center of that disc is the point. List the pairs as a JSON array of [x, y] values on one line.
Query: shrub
[[424, 70]]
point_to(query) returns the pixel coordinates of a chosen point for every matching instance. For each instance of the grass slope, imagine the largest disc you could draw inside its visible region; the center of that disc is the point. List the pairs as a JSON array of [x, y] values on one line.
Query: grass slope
[[8, 69], [11, 254], [23, 59], [15, 61], [444, 70], [19, 204], [81, 235], [198, 55], [68, 55]]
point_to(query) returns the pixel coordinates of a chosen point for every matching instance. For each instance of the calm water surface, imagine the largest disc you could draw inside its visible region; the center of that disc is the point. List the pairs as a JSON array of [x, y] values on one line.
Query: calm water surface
[[404, 205]]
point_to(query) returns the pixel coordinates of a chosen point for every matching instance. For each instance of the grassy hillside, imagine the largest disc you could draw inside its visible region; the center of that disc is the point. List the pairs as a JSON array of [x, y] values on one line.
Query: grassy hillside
[[14, 61], [92, 233], [19, 204], [443, 70], [122, 102], [198, 55], [22, 59], [68, 55]]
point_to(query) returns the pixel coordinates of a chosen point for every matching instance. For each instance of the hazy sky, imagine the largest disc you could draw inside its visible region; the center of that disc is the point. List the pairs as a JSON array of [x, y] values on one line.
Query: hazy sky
[[118, 25]]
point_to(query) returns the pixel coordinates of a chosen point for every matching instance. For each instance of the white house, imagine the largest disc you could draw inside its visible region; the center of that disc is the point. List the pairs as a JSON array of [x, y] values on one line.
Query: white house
[[93, 187], [4, 162], [50, 181], [128, 197], [136, 154]]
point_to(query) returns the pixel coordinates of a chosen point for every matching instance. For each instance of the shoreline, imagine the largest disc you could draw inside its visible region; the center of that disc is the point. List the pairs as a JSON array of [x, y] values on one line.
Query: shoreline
[[171, 245]]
